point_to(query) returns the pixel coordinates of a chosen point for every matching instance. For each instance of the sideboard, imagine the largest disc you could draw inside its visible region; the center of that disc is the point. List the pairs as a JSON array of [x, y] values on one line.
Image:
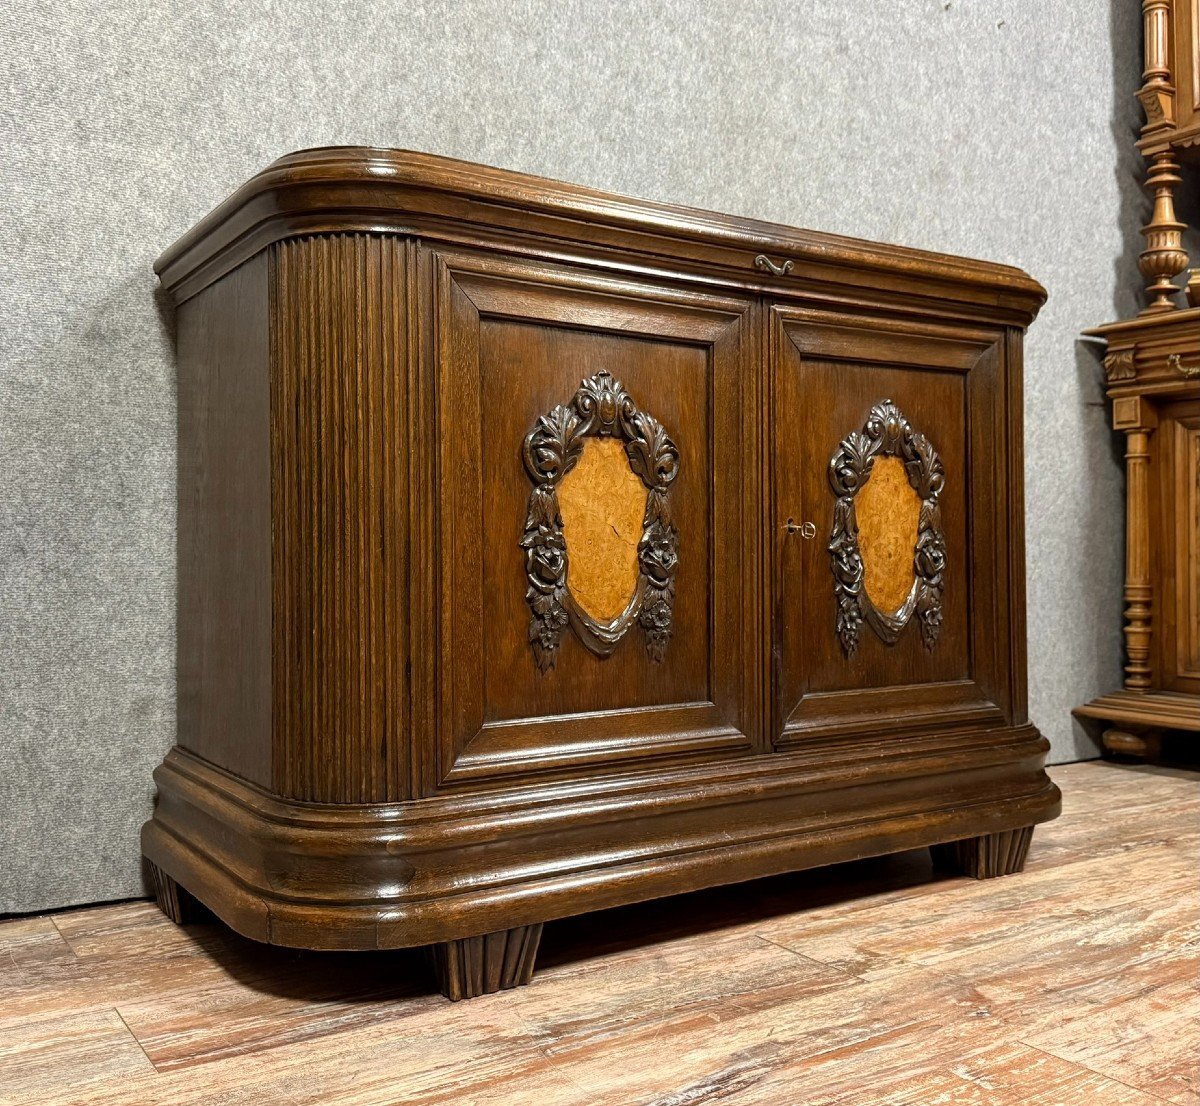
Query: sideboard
[[543, 550]]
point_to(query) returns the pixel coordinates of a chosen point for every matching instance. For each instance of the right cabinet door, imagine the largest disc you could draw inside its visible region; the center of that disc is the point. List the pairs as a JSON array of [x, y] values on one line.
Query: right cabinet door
[[1178, 546], [897, 573]]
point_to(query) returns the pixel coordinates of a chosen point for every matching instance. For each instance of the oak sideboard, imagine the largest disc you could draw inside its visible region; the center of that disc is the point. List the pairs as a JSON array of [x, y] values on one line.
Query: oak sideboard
[[543, 550], [1152, 367]]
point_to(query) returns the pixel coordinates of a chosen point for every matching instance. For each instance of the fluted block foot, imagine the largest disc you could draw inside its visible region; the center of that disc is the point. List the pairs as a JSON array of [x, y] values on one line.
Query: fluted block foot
[[174, 901], [476, 966], [986, 856]]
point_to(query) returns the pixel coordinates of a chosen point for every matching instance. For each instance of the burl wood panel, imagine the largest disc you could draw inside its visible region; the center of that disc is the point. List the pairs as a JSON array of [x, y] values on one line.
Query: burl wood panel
[[603, 506], [888, 511], [340, 458]]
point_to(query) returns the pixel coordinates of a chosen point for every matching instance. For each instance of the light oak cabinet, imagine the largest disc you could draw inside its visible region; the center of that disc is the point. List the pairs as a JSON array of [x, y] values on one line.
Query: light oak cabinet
[[543, 550], [1153, 373]]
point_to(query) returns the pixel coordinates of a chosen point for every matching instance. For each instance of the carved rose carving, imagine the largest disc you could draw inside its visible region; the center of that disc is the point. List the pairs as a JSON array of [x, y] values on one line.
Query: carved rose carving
[[886, 433], [552, 448]]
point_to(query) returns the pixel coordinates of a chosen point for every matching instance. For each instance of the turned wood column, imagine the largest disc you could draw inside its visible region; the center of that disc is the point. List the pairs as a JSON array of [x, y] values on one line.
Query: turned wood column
[[1164, 257], [1136, 417]]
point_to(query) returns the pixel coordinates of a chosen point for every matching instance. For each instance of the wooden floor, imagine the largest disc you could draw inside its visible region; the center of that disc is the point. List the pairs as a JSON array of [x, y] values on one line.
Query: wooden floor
[[874, 983]]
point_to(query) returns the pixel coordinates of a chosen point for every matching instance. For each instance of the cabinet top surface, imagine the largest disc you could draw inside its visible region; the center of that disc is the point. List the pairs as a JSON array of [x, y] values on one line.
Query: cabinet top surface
[[368, 189]]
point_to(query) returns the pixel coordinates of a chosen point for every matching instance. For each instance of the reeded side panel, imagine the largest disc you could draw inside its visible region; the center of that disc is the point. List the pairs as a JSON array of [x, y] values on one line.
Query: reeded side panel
[[340, 479]]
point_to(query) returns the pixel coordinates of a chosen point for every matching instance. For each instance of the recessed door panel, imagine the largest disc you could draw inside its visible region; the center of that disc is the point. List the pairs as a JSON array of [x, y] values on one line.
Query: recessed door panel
[[1178, 622], [598, 486], [667, 381], [887, 527]]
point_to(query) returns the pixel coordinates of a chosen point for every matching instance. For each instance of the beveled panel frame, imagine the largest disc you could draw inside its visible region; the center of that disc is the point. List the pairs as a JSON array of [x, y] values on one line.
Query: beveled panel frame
[[469, 288], [992, 693]]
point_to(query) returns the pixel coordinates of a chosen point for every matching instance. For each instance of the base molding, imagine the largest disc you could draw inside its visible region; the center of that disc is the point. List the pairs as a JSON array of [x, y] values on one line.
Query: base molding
[[473, 966], [1140, 719], [1149, 710], [986, 856], [456, 866]]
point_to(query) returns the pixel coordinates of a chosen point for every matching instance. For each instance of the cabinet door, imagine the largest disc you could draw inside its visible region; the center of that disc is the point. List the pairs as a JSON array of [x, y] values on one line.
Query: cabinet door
[[894, 540], [596, 516], [1178, 629]]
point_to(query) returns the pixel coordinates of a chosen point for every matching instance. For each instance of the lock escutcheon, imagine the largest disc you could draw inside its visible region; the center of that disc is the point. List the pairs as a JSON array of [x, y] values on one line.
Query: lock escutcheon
[[805, 529]]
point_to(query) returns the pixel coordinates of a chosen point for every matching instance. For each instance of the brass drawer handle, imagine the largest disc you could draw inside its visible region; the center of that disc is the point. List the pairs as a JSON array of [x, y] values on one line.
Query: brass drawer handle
[[806, 530], [762, 261], [1189, 371]]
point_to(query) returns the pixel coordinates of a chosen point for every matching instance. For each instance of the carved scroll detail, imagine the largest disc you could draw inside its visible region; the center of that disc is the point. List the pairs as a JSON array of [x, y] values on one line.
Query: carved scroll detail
[[603, 408], [887, 433]]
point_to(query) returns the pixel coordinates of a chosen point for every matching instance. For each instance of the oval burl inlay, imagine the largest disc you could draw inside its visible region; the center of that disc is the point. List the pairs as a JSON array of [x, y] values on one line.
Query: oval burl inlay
[[600, 547], [889, 514], [603, 505], [886, 547]]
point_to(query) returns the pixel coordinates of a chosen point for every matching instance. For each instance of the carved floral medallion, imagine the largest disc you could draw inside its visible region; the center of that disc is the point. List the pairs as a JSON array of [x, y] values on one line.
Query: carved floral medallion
[[600, 547], [887, 548]]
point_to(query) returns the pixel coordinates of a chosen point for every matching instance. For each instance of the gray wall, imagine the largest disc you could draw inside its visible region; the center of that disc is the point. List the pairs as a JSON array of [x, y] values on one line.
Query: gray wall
[[994, 128]]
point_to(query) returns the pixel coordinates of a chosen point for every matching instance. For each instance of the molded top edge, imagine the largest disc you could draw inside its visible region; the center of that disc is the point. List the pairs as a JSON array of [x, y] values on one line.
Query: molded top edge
[[1162, 322], [375, 166]]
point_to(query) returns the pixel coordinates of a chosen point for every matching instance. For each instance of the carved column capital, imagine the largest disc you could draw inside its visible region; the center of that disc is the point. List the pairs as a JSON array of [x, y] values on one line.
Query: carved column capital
[[1130, 413]]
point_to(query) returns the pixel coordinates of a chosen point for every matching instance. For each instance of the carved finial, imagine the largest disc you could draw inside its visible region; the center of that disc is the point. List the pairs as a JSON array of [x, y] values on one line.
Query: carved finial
[[1164, 257]]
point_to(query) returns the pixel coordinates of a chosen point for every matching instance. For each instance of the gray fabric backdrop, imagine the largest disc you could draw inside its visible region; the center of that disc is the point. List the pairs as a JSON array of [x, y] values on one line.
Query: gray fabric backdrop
[[995, 128]]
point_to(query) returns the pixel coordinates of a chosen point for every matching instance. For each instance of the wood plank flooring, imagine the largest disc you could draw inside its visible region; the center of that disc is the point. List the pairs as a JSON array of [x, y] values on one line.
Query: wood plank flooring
[[877, 983]]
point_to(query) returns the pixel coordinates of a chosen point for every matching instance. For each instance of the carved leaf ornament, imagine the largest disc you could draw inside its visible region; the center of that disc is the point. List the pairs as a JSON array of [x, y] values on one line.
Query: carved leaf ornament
[[601, 409], [886, 434]]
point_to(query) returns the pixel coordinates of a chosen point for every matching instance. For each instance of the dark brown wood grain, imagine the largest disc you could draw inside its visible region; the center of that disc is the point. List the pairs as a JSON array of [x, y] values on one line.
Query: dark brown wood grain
[[986, 856], [340, 461], [174, 901], [483, 965], [385, 761], [224, 608], [951, 384], [515, 341]]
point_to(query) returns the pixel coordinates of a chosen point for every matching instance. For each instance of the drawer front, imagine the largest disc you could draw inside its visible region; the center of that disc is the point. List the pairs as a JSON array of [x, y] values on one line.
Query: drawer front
[[596, 511], [890, 527]]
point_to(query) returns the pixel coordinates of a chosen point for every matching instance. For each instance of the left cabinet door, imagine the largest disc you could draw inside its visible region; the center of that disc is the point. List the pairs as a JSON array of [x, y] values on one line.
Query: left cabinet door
[[595, 514]]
